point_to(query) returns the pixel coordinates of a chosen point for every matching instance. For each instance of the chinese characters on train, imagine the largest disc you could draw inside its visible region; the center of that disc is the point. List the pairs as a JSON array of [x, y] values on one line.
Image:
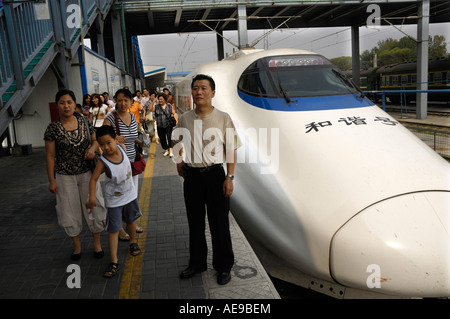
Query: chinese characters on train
[[351, 120]]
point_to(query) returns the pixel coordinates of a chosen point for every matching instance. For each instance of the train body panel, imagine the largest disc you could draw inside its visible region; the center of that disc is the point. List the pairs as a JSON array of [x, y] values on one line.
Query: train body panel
[[311, 165], [414, 246]]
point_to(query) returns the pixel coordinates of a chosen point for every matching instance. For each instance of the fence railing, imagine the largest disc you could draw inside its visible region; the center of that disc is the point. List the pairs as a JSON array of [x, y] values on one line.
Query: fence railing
[[384, 93], [437, 140]]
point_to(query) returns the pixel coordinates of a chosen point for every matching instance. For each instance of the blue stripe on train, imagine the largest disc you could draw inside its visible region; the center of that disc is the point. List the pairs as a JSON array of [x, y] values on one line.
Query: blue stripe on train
[[316, 103]]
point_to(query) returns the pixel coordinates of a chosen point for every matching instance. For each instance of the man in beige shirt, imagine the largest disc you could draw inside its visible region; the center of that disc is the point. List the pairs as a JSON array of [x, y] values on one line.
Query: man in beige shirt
[[209, 140]]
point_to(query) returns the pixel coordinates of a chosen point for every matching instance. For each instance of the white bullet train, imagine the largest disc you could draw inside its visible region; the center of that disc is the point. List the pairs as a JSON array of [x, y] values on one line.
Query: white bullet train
[[341, 198]]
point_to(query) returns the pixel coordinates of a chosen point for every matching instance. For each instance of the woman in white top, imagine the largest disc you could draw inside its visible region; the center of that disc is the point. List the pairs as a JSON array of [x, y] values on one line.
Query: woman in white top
[[98, 111]]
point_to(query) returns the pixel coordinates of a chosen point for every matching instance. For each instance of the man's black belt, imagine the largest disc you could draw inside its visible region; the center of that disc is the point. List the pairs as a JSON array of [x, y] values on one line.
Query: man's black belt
[[203, 169]]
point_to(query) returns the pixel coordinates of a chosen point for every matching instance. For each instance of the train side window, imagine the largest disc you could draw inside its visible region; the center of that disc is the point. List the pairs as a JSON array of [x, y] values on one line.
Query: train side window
[[394, 80], [448, 77], [437, 77], [413, 79], [404, 79]]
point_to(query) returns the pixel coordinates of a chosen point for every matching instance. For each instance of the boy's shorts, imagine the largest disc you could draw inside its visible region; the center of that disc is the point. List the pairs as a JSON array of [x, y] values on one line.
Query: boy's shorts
[[129, 213]]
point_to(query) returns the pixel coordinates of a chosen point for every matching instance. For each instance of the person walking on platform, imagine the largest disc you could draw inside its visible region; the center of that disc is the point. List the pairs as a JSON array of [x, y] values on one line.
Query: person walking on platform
[[69, 143], [98, 110], [163, 113], [86, 105], [145, 96], [169, 96], [120, 194], [205, 181], [150, 121]]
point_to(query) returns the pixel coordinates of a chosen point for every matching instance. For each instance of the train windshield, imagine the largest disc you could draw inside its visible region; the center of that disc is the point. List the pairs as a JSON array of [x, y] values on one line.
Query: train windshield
[[294, 76]]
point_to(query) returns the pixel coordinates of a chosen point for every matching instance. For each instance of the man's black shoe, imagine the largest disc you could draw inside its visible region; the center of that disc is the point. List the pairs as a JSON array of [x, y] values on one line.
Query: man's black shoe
[[190, 271], [223, 278]]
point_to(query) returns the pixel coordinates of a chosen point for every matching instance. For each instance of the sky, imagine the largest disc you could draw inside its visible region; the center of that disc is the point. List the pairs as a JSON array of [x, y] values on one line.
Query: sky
[[184, 52]]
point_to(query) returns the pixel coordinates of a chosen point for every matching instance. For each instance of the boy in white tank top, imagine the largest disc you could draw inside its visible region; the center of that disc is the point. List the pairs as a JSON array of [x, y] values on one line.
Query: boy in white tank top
[[119, 192]]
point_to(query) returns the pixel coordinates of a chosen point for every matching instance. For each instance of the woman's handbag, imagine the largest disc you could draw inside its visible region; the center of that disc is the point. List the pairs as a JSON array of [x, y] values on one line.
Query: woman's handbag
[[173, 122], [138, 166]]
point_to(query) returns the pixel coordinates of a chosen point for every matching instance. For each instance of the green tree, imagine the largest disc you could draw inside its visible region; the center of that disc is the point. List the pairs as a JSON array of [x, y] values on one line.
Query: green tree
[[366, 58], [391, 51], [386, 45], [343, 62], [437, 47], [396, 55]]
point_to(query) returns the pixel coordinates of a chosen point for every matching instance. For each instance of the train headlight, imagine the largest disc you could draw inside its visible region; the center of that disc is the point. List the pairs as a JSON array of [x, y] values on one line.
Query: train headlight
[[288, 61], [398, 246]]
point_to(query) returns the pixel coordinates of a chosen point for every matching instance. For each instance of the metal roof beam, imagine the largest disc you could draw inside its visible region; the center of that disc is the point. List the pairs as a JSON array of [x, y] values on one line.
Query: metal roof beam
[[232, 16], [178, 18], [151, 20]]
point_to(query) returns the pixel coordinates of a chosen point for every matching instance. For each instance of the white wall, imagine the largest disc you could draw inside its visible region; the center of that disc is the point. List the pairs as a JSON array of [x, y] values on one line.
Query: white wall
[[101, 76], [30, 128]]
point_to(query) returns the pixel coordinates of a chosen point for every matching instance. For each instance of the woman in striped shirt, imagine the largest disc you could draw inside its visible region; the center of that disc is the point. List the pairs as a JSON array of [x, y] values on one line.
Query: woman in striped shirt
[[127, 131]]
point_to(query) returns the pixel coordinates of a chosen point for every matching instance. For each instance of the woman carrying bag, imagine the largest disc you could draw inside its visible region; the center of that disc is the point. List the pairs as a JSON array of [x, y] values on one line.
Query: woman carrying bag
[[166, 119], [126, 128]]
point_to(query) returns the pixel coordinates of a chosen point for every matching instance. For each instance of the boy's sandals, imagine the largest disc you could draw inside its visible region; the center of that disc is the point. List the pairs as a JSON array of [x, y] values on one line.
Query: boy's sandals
[[134, 249], [111, 271], [125, 237]]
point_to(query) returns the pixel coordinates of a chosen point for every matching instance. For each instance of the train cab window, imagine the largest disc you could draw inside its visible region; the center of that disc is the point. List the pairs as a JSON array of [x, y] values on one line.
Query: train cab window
[[294, 76]]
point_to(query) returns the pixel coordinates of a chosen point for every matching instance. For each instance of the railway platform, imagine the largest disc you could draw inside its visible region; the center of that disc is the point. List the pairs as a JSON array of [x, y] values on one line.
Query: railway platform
[[35, 251], [435, 121], [439, 115]]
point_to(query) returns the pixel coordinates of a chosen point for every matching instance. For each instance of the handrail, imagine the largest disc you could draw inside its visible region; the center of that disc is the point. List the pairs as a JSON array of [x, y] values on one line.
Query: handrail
[[384, 92], [25, 27], [31, 35]]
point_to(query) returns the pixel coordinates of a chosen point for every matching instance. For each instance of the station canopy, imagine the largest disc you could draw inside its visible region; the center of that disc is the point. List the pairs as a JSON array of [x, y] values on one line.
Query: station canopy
[[154, 76], [159, 17]]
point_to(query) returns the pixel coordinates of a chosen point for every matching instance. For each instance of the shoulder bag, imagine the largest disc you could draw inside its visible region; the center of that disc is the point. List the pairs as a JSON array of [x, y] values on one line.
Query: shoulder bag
[[138, 166], [172, 119]]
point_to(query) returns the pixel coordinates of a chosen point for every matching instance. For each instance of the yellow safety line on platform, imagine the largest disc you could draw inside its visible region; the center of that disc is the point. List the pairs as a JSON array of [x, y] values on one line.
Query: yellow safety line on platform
[[130, 286]]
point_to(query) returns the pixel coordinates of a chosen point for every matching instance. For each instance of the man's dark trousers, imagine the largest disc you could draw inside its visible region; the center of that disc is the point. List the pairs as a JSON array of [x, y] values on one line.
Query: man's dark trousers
[[204, 189]]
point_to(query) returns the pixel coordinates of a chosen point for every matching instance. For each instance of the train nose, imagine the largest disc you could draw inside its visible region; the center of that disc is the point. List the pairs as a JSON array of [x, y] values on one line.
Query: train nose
[[399, 246]]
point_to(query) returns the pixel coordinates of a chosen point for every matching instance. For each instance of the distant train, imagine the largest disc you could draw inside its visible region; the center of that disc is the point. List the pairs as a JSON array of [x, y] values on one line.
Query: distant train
[[333, 193], [402, 76]]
